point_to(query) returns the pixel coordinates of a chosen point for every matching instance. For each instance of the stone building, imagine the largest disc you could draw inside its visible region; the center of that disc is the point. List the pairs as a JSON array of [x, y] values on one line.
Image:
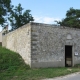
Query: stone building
[[1, 38], [4, 31], [45, 45]]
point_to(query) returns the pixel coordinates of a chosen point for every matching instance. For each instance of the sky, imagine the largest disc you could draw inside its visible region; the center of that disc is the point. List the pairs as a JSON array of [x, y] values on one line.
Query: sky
[[47, 11]]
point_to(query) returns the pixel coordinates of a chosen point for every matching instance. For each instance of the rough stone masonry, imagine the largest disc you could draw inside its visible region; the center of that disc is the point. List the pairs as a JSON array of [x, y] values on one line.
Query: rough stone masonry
[[45, 45]]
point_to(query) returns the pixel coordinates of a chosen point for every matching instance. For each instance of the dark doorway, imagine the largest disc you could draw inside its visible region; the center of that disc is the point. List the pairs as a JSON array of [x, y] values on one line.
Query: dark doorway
[[68, 56]]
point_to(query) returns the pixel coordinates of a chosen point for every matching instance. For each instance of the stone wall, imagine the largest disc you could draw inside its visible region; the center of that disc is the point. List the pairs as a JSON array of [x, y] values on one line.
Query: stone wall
[[20, 42], [1, 38], [48, 45], [43, 45]]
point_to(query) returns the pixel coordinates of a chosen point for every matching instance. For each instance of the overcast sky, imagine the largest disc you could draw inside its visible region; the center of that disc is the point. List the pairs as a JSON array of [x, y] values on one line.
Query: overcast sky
[[47, 11]]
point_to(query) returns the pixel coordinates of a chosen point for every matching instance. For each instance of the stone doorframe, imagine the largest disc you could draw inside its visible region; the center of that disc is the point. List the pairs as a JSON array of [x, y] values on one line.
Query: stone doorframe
[[70, 44]]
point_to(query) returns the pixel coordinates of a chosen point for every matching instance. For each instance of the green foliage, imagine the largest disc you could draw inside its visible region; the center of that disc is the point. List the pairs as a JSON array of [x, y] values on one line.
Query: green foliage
[[10, 60], [16, 15], [5, 7], [19, 18], [72, 18]]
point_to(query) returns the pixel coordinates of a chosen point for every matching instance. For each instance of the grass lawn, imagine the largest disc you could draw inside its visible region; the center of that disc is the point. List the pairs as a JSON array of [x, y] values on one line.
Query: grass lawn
[[12, 67]]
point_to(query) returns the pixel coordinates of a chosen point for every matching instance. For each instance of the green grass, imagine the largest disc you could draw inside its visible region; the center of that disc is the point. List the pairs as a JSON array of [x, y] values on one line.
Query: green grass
[[12, 67]]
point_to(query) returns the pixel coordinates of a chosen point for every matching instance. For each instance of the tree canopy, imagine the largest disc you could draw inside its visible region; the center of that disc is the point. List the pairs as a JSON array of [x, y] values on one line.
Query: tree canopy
[[16, 15], [72, 18], [19, 17], [5, 6]]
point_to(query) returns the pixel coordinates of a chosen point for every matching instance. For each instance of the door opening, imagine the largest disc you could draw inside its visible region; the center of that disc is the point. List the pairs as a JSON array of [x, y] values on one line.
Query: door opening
[[68, 56]]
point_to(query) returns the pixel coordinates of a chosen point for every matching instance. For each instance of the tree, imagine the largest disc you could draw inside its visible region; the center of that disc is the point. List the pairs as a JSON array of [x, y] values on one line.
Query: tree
[[5, 7], [18, 18], [72, 18]]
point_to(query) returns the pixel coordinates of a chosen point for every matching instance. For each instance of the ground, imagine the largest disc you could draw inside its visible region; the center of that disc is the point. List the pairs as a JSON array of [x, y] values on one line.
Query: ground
[[74, 76]]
